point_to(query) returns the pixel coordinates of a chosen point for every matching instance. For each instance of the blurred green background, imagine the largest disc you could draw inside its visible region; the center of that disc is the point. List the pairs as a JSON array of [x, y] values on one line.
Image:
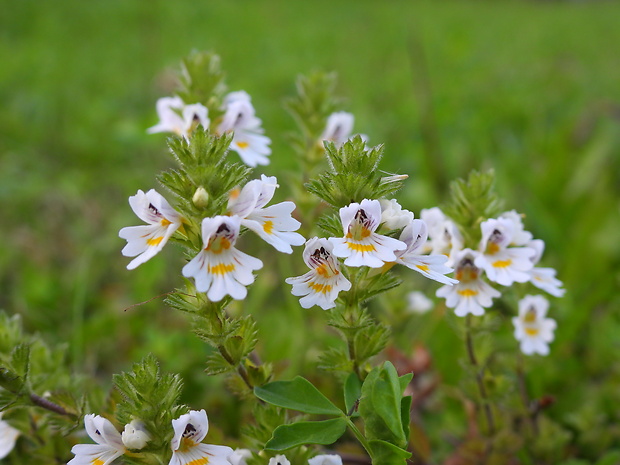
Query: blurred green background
[[531, 89]]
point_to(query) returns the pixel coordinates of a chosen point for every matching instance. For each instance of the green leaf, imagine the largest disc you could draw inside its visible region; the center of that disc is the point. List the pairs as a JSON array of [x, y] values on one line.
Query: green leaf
[[352, 392], [20, 359], [404, 381], [384, 453], [307, 432], [405, 414], [380, 405], [298, 394]]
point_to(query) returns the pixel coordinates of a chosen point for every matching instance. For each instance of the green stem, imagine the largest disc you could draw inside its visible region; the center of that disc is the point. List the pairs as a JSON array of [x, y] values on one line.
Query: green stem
[[360, 437], [524, 396], [479, 376]]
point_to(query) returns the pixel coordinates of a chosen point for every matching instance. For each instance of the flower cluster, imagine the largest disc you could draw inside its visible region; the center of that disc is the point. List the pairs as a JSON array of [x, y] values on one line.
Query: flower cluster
[[186, 444], [238, 117], [362, 245], [506, 254], [219, 268]]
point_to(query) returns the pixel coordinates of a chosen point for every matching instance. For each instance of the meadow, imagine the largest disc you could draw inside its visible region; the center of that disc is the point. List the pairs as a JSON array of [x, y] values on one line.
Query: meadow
[[528, 89]]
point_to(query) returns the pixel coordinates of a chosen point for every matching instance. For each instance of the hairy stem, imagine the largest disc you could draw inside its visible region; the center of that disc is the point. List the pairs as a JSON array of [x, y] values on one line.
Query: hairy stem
[[49, 405], [479, 376]]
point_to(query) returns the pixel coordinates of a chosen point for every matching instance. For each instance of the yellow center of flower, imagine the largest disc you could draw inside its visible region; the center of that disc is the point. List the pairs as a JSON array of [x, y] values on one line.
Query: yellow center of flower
[[467, 274], [326, 271], [97, 461], [221, 269], [492, 248], [358, 231], [467, 292], [165, 222], [322, 288], [218, 244], [243, 145], [530, 316], [502, 263], [154, 241], [268, 227], [361, 247], [531, 331], [423, 267]]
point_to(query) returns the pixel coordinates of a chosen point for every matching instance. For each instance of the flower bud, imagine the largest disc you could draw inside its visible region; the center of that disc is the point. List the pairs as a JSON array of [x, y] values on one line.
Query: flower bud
[[201, 197], [135, 435]]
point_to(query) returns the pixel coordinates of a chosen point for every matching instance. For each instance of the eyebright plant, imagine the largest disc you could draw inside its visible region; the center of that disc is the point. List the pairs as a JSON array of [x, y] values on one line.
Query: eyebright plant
[[212, 205]]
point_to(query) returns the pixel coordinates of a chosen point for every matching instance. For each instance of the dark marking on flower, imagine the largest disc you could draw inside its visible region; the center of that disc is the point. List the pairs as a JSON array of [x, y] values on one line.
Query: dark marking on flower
[[190, 431], [154, 210]]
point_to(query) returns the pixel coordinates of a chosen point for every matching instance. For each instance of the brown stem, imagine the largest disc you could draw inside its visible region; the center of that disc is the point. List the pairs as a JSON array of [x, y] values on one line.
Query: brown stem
[[479, 377], [531, 416], [49, 405]]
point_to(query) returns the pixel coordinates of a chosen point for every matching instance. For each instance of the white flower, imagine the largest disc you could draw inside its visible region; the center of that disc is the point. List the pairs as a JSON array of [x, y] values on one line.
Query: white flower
[[176, 117], [532, 329], [8, 437], [239, 455], [274, 224], [144, 242], [109, 443], [418, 302], [445, 237], [393, 216], [279, 460], [431, 266], [321, 285], [471, 294], [135, 435], [519, 235], [325, 460], [248, 140], [544, 278], [339, 127], [361, 246], [187, 448], [501, 263], [219, 269]]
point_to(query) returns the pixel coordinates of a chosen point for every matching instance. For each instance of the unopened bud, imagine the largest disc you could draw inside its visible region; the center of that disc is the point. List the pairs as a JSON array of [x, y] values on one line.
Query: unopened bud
[[135, 435], [201, 197]]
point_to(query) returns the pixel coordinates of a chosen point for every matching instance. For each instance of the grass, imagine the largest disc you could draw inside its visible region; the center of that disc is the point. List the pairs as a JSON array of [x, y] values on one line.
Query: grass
[[528, 89]]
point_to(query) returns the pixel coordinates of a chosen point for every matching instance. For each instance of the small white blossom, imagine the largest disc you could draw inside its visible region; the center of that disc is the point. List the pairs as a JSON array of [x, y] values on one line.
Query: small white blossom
[[144, 242], [187, 448], [109, 443], [279, 460], [544, 278], [431, 266], [418, 302], [220, 269], [444, 235], [274, 224], [520, 236], [325, 459], [8, 437], [178, 118], [501, 263], [471, 294], [248, 139], [239, 455], [532, 329], [339, 127], [361, 246], [322, 284], [393, 216], [135, 435]]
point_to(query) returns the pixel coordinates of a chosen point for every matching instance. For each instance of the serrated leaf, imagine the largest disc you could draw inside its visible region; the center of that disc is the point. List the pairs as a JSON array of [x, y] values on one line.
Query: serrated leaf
[[307, 432], [298, 394], [20, 359]]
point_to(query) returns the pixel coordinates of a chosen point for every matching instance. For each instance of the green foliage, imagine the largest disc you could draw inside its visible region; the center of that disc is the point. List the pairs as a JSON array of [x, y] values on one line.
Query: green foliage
[[307, 432], [380, 406], [352, 393], [472, 202], [354, 174], [151, 397], [202, 81], [298, 394]]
